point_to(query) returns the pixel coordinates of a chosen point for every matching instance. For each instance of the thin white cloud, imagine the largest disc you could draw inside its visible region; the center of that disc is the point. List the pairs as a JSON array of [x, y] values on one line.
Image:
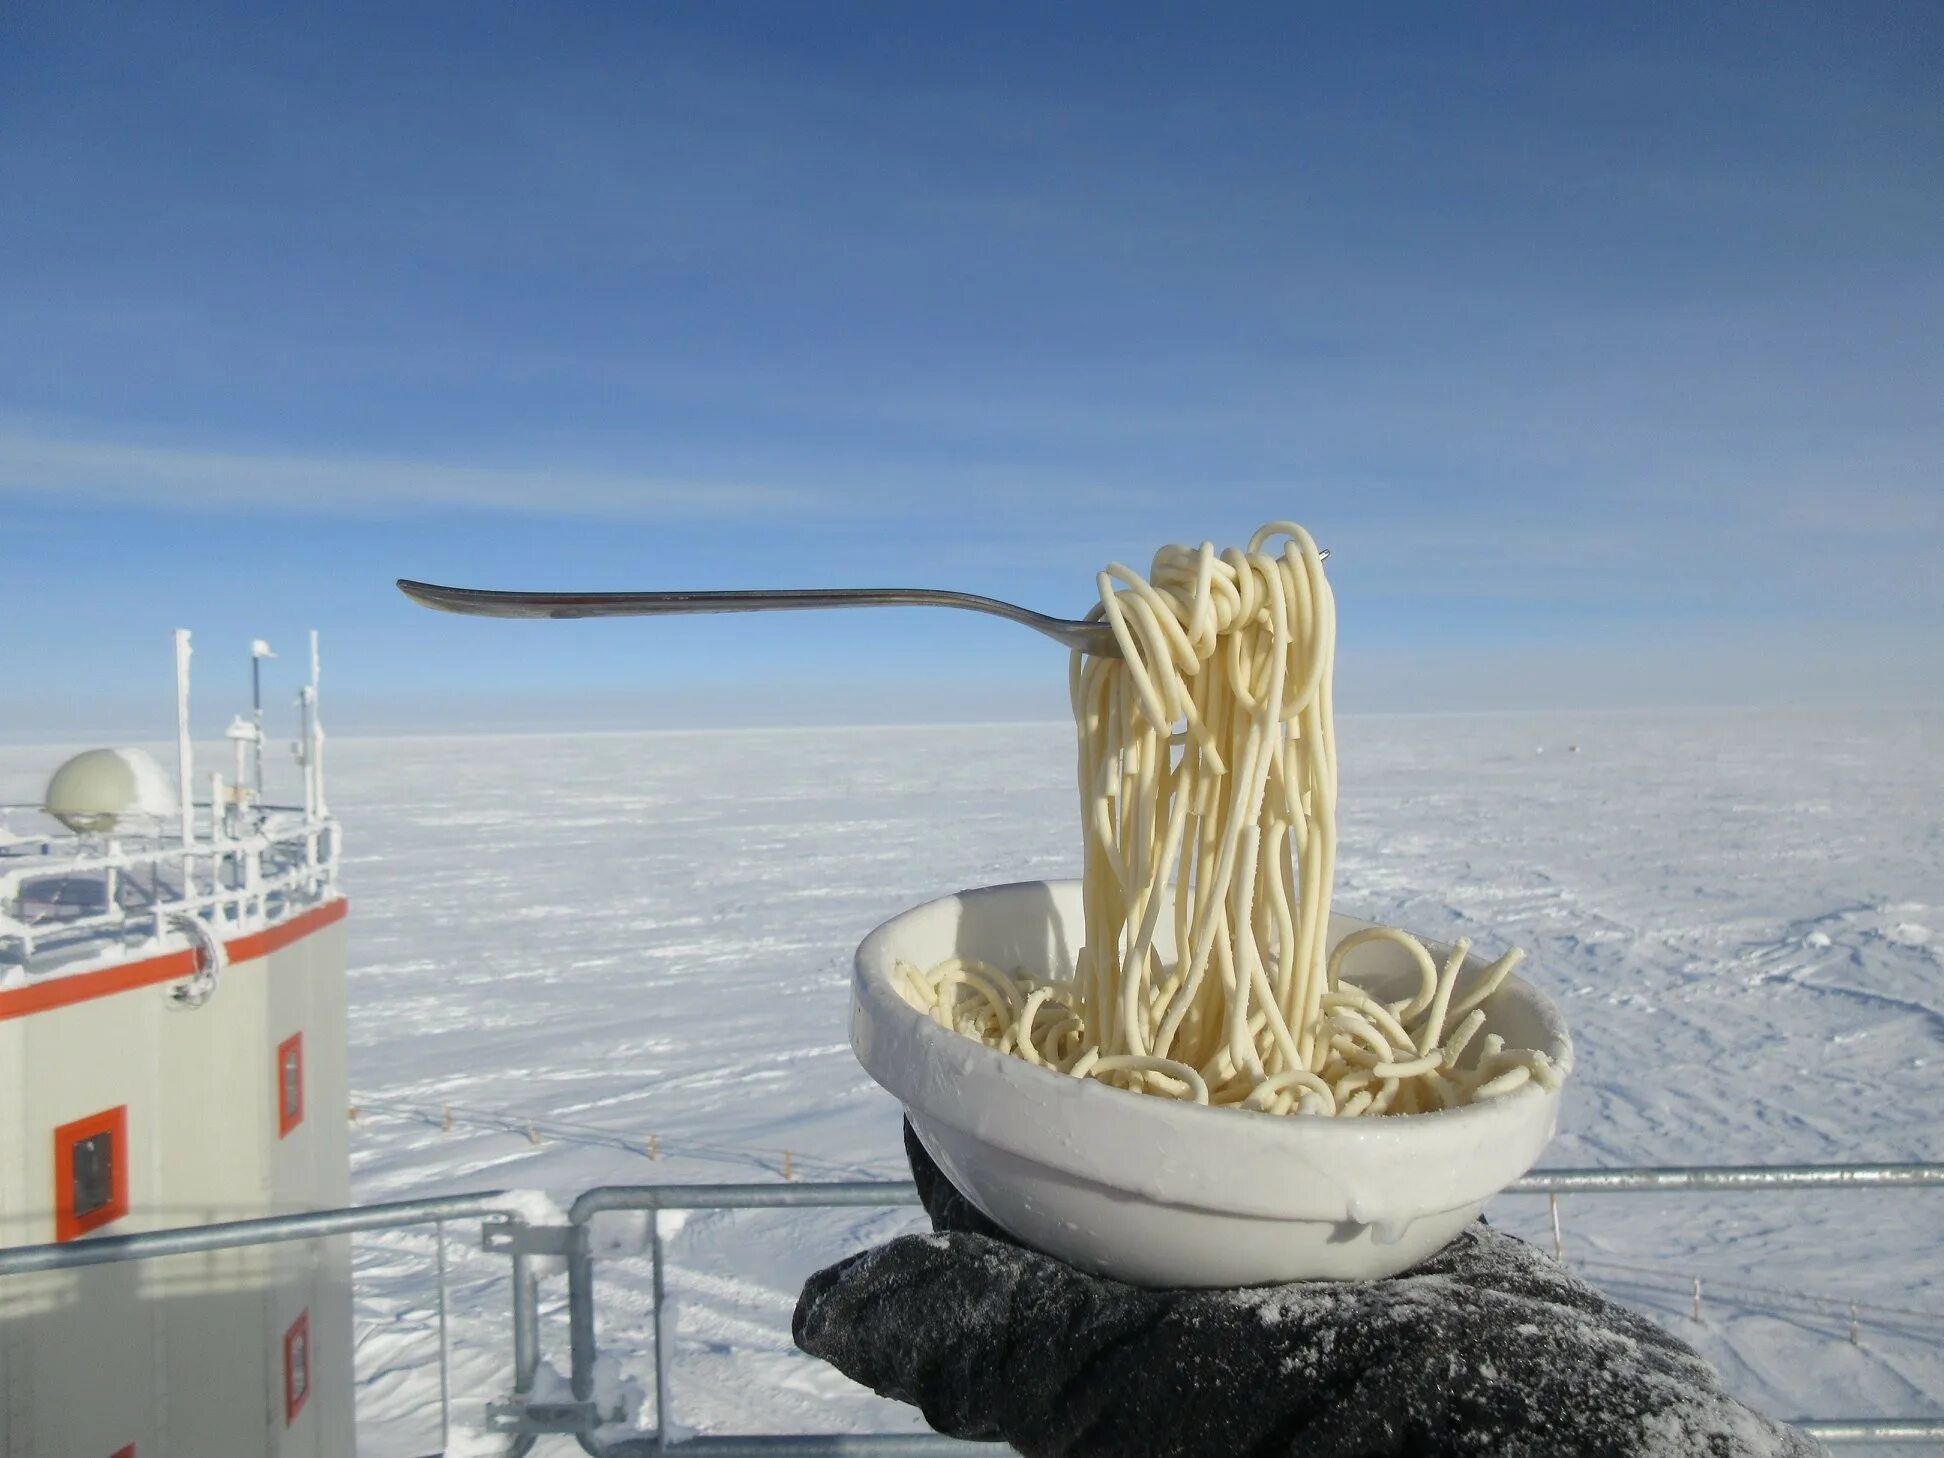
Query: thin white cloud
[[38, 464], [188, 479]]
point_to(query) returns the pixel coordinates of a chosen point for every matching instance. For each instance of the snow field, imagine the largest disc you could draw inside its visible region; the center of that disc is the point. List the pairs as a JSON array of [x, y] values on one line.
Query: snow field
[[584, 949]]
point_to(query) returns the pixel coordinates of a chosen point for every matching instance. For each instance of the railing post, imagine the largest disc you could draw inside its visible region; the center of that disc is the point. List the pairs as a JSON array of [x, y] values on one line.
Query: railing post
[[523, 1417], [445, 1345], [218, 829], [661, 1329], [581, 1352], [526, 1317]]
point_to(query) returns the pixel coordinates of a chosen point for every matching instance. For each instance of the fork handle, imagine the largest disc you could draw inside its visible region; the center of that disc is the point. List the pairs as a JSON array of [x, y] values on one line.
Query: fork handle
[[480, 602]]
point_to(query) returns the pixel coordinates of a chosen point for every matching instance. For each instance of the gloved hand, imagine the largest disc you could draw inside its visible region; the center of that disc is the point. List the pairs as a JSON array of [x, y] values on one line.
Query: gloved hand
[[1489, 1347]]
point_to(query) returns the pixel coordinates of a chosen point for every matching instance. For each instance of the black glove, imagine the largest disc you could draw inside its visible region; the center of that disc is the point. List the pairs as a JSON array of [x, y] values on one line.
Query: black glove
[[1489, 1347]]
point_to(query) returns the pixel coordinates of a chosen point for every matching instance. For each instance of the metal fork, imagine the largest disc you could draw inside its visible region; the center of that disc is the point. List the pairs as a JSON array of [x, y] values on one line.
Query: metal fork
[[1095, 638]]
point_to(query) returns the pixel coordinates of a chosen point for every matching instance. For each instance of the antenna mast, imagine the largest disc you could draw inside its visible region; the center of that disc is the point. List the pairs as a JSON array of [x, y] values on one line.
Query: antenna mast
[[259, 650], [185, 792]]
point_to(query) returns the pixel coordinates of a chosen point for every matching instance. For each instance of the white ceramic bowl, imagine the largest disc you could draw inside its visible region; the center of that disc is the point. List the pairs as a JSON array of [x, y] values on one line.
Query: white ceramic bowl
[[1164, 1193]]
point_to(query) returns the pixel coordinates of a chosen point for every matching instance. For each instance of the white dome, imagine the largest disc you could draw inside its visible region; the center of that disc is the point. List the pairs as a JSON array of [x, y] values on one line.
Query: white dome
[[96, 789]]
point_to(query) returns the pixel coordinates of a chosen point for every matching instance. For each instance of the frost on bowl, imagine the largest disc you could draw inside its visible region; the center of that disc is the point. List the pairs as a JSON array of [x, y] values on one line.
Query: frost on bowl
[[1164, 1193]]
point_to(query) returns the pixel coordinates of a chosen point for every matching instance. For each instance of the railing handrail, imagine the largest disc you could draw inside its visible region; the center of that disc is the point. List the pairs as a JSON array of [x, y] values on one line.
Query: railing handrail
[[151, 850], [1669, 1179], [829, 1194], [1623, 1180], [145, 1245], [37, 808]]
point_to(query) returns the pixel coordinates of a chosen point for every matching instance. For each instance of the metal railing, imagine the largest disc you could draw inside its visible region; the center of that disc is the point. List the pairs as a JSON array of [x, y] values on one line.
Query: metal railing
[[19, 1260], [258, 861], [524, 1418], [487, 1206], [239, 868]]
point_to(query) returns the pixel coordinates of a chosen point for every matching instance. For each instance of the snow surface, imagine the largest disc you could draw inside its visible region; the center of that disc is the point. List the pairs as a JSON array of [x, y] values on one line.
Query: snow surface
[[576, 945]]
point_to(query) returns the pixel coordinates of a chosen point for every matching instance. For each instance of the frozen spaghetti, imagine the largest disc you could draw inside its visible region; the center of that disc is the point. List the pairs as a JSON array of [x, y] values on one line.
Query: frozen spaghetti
[[1207, 777]]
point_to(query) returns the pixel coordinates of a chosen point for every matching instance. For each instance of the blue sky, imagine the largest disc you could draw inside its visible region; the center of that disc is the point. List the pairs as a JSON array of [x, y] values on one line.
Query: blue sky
[[1601, 345]]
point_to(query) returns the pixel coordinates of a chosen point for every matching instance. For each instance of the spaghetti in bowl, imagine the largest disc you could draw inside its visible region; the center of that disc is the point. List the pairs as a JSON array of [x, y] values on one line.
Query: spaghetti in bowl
[[1168, 1192]]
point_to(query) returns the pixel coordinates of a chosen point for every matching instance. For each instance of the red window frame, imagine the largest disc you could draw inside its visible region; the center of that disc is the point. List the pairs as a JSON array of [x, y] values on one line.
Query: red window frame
[[289, 1114], [114, 1123], [127, 1452], [296, 1367]]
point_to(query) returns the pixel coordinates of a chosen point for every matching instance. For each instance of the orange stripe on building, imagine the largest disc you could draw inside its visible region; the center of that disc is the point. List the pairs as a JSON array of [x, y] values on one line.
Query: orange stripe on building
[[56, 992]]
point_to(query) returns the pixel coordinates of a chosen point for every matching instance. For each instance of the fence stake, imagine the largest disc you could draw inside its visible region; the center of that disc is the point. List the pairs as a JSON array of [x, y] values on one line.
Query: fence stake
[[654, 1146], [445, 1121], [1697, 1298], [1856, 1331], [533, 1134], [1559, 1244], [786, 1166]]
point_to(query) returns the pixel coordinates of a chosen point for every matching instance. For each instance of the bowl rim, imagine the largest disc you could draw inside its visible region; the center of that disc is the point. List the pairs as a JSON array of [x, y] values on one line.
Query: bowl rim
[[871, 973]]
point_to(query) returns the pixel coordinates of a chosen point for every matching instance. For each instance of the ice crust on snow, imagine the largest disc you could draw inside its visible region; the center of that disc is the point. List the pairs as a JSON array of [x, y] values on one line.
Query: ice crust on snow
[[537, 1207], [155, 792]]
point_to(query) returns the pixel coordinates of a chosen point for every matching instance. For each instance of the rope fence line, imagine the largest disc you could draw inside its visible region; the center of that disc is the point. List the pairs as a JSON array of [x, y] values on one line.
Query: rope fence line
[[1753, 1297], [1772, 1300], [447, 1118]]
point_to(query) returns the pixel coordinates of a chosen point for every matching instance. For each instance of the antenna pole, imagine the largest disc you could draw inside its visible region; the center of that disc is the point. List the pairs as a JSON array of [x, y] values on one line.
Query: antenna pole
[[314, 750], [259, 650], [304, 751], [256, 718], [185, 792]]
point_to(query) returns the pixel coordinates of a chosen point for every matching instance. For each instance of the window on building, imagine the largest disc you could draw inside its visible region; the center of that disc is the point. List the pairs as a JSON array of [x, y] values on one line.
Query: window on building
[[290, 1083], [91, 1162], [296, 1367]]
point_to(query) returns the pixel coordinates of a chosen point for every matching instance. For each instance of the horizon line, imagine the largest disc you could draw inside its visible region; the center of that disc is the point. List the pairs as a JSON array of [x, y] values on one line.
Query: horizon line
[[911, 726]]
